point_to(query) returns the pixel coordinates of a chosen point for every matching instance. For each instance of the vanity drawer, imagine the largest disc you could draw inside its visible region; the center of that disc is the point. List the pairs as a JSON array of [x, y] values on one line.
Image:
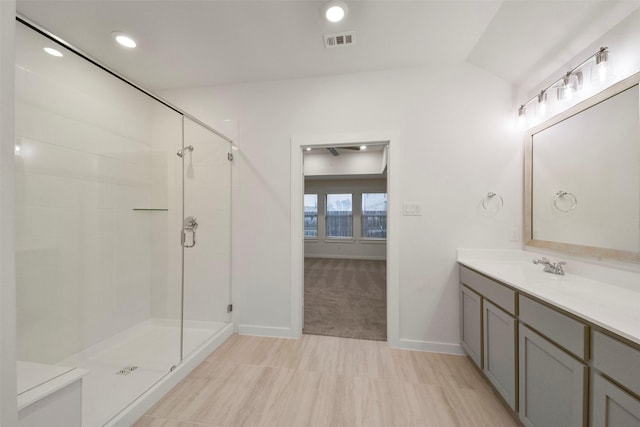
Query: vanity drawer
[[565, 331], [500, 295], [617, 360]]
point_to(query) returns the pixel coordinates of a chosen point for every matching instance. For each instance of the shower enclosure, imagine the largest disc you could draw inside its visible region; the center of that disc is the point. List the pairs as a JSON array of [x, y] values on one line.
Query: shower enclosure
[[123, 229]]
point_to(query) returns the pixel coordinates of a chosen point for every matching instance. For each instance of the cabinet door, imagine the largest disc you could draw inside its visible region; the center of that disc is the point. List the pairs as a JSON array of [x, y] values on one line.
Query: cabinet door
[[611, 406], [499, 351], [471, 324], [552, 384]]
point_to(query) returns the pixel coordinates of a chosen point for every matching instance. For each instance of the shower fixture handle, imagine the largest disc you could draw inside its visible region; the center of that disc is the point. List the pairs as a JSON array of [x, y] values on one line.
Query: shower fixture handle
[[190, 226], [188, 148]]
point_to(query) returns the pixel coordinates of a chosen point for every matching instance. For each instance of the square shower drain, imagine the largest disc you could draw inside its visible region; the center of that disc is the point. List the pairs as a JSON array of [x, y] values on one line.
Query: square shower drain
[[126, 370]]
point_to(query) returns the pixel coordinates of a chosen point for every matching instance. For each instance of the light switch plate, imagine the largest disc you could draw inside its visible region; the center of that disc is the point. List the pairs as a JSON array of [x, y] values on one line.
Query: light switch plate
[[411, 209]]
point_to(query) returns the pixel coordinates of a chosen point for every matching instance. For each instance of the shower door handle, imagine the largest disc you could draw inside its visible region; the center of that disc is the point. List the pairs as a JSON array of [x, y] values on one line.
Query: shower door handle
[[190, 225]]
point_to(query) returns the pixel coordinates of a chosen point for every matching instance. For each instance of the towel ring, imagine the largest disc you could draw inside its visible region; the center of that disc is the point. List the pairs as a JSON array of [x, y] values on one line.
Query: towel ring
[[561, 195], [490, 196]]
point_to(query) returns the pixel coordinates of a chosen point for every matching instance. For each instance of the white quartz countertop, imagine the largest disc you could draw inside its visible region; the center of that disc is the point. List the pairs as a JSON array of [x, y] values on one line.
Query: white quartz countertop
[[610, 306]]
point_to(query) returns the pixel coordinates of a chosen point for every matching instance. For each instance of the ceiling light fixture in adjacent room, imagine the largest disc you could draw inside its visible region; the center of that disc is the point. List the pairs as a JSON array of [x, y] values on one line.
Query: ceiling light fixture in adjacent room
[[335, 11], [124, 39], [53, 52]]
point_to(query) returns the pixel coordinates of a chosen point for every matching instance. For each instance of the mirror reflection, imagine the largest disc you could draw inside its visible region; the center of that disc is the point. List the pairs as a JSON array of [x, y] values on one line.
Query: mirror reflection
[[585, 176]]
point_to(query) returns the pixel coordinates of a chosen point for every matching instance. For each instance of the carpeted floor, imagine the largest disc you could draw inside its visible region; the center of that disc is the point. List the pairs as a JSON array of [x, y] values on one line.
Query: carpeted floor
[[345, 298]]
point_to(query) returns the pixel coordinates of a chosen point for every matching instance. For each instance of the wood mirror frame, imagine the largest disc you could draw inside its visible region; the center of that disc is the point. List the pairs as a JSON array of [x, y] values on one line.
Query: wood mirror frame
[[570, 248]]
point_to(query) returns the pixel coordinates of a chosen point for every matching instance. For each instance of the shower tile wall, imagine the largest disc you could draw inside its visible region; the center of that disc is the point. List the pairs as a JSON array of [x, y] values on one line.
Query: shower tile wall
[[90, 150]]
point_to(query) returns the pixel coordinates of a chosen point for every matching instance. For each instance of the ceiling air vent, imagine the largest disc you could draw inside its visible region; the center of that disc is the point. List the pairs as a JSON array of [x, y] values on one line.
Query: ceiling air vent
[[339, 39]]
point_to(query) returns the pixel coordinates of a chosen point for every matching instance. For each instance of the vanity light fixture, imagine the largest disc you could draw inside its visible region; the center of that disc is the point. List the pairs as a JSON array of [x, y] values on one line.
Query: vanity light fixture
[[53, 52], [124, 39], [600, 70], [522, 115], [542, 103], [570, 83], [335, 11]]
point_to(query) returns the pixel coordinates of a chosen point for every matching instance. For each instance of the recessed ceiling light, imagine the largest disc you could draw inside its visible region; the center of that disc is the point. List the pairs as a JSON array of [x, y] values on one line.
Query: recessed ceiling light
[[335, 11], [124, 39], [51, 51], [363, 147], [308, 148]]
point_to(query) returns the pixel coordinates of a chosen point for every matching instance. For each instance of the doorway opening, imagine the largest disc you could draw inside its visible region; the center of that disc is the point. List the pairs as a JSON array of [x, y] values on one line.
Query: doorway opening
[[345, 238], [299, 145], [345, 232]]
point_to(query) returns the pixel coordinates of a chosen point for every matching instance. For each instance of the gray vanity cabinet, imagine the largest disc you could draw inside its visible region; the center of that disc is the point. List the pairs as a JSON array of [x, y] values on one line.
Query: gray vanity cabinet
[[554, 368], [611, 406], [552, 383], [499, 350], [471, 324], [615, 402], [488, 330]]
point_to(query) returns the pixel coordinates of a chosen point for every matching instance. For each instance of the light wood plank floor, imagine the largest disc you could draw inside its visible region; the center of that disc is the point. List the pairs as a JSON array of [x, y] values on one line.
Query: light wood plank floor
[[328, 381]]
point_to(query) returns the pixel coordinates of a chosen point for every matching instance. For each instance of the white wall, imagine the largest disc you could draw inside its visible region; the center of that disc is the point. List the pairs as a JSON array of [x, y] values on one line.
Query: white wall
[[8, 399], [458, 143], [357, 247]]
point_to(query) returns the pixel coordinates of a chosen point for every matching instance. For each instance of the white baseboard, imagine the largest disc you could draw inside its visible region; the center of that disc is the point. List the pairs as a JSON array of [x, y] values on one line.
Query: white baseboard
[[267, 331], [430, 346], [362, 257]]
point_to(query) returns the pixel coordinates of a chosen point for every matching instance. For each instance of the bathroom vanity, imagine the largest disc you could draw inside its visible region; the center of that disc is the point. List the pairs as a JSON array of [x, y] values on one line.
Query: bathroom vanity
[[561, 350]]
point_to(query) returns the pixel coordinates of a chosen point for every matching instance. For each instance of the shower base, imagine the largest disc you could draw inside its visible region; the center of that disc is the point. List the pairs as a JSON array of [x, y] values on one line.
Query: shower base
[[136, 366]]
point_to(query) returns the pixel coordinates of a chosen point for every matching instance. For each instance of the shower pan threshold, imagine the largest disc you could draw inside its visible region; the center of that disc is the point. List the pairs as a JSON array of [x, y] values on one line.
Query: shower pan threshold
[[130, 372]]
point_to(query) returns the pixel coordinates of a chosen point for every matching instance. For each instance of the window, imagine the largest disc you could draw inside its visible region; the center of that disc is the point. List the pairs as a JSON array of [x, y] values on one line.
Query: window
[[310, 215], [339, 215], [374, 215]]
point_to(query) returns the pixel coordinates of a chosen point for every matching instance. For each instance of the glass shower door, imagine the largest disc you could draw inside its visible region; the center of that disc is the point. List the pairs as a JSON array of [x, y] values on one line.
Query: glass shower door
[[206, 235]]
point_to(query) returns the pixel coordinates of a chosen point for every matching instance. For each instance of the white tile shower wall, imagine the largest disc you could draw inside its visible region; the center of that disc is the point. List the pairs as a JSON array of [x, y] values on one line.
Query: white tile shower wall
[[457, 144], [86, 160], [166, 273]]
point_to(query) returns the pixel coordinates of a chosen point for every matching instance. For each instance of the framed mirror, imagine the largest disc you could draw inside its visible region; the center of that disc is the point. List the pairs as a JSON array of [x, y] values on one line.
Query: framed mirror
[[582, 177]]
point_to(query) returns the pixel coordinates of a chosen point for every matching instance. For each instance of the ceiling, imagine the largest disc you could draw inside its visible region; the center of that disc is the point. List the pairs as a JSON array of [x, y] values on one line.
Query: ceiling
[[190, 43]]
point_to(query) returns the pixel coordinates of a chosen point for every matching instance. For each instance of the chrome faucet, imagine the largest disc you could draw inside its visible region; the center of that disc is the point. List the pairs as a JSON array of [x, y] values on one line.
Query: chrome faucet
[[550, 267]]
